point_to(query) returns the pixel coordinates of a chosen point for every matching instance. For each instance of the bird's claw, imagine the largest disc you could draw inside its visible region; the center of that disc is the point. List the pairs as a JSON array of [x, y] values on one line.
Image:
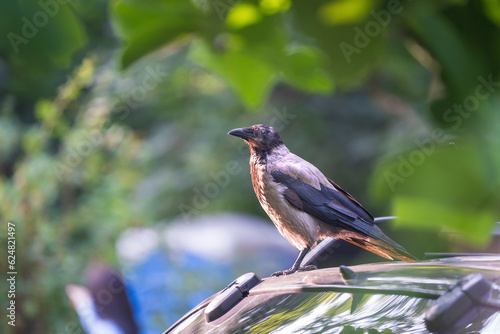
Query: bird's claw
[[292, 270], [308, 268], [283, 272]]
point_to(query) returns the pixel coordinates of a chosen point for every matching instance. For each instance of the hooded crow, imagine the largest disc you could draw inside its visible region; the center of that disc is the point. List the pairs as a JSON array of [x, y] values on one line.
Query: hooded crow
[[305, 205]]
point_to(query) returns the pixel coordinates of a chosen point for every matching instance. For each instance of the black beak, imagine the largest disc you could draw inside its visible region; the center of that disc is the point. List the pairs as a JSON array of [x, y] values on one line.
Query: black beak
[[243, 133]]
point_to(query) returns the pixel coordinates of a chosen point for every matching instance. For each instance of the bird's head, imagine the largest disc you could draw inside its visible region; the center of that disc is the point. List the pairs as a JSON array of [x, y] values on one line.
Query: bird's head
[[260, 137]]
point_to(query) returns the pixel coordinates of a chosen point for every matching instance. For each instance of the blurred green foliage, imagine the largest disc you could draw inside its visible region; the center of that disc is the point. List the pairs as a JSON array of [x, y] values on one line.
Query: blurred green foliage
[[87, 150], [316, 45], [68, 201]]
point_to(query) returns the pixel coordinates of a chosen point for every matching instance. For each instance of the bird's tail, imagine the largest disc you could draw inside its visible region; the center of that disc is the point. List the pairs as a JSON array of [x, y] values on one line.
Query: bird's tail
[[381, 245], [387, 250]]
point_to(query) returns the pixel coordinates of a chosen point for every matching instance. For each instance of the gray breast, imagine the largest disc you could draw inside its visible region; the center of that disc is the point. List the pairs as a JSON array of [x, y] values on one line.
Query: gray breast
[[295, 225]]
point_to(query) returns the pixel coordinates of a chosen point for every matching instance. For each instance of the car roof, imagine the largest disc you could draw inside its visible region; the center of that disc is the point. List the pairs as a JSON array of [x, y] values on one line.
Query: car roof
[[355, 294]]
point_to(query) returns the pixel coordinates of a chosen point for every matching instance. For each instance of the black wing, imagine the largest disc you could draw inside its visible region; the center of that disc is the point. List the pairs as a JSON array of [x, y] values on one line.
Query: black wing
[[337, 208], [350, 201], [329, 205]]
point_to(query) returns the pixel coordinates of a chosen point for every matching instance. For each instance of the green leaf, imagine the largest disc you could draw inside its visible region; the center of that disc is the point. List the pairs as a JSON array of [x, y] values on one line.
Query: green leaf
[[243, 15], [475, 224], [147, 25], [492, 10], [39, 40], [42, 34], [249, 76], [352, 48], [460, 66], [45, 110], [271, 7], [345, 11], [448, 186], [303, 68]]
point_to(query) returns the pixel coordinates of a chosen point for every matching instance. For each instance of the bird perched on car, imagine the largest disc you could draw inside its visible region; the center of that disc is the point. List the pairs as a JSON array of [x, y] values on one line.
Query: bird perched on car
[[304, 204]]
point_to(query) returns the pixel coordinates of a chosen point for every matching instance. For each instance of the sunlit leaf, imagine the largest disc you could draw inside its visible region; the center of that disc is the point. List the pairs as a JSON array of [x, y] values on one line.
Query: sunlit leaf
[[243, 15], [345, 11], [492, 10], [274, 6], [45, 110]]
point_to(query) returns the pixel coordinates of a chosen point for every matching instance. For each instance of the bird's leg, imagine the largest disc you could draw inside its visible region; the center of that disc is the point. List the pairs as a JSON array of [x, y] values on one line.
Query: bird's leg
[[296, 265]]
